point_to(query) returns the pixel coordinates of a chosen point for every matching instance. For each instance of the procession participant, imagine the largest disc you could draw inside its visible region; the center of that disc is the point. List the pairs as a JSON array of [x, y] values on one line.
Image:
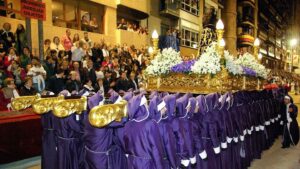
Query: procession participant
[[49, 141], [68, 133], [210, 137], [142, 141], [98, 141], [227, 153], [182, 108], [159, 113], [196, 118], [291, 128], [119, 159]]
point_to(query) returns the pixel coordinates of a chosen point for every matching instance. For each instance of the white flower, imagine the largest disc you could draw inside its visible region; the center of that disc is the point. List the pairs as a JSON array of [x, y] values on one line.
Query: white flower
[[232, 65], [209, 62], [163, 62], [248, 60]]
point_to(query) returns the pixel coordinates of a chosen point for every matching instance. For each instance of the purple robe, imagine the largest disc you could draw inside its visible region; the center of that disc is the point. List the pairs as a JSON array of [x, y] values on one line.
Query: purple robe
[[196, 119], [210, 137], [68, 141], [183, 131], [49, 142], [98, 141], [119, 159], [143, 143], [166, 132]]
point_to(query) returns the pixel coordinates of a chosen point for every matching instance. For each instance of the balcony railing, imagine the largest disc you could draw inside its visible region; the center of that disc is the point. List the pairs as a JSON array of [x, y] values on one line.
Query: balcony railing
[[246, 39], [169, 8]]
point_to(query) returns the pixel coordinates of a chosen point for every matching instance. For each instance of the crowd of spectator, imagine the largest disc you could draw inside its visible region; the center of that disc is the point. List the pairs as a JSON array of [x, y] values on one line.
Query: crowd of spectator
[[70, 63], [132, 27]]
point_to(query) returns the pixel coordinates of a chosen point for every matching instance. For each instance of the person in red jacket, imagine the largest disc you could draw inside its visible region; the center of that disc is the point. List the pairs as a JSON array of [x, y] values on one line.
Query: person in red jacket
[[9, 58]]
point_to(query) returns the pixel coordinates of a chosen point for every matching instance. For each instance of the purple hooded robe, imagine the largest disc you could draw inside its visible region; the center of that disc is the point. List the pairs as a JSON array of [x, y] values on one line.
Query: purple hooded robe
[[142, 140], [166, 131], [98, 141]]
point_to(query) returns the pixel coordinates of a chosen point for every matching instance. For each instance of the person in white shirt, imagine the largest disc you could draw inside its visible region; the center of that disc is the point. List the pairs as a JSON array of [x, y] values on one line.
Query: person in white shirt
[[56, 45], [105, 51], [38, 74], [77, 52]]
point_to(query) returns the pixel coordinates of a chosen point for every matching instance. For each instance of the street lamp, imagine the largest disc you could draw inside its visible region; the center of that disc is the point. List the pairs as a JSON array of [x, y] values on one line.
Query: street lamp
[[293, 44], [256, 48], [150, 51], [221, 47], [155, 41], [220, 30], [260, 56], [220, 40]]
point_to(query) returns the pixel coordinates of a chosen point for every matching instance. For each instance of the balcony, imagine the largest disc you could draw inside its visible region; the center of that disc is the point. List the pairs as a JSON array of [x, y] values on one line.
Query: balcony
[[131, 38], [169, 8], [139, 5], [248, 3], [245, 40]]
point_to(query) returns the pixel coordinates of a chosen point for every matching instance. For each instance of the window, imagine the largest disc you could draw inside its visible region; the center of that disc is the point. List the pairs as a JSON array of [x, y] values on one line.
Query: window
[[191, 6], [189, 38], [11, 9], [78, 14]]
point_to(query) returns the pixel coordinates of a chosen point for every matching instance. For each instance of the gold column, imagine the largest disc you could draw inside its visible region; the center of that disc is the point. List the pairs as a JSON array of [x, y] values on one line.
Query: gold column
[[229, 14]]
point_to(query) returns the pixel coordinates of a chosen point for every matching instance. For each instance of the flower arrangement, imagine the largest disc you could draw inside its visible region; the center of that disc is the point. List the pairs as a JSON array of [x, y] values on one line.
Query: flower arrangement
[[209, 61], [163, 62], [183, 67], [249, 61], [249, 72], [232, 66]]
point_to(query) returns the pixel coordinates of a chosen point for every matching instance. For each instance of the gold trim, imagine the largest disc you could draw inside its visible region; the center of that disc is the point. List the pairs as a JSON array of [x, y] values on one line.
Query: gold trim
[[44, 105], [23, 102], [202, 84], [103, 115], [66, 107]]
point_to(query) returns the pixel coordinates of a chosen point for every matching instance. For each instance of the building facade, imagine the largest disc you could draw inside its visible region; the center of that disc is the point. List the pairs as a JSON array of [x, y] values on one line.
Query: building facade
[[184, 16], [244, 21], [268, 20]]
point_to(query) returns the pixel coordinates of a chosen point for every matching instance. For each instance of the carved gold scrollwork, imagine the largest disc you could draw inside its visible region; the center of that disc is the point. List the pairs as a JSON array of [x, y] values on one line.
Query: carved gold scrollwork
[[103, 115], [66, 107], [44, 105], [204, 84], [22, 102]]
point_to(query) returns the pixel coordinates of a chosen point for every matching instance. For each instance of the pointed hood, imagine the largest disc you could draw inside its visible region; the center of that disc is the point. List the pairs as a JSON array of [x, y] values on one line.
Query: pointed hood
[[202, 104], [181, 105], [94, 100], [114, 96], [170, 105], [211, 100], [192, 103], [153, 109], [238, 98], [164, 94], [225, 101], [152, 94], [127, 96], [137, 109]]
